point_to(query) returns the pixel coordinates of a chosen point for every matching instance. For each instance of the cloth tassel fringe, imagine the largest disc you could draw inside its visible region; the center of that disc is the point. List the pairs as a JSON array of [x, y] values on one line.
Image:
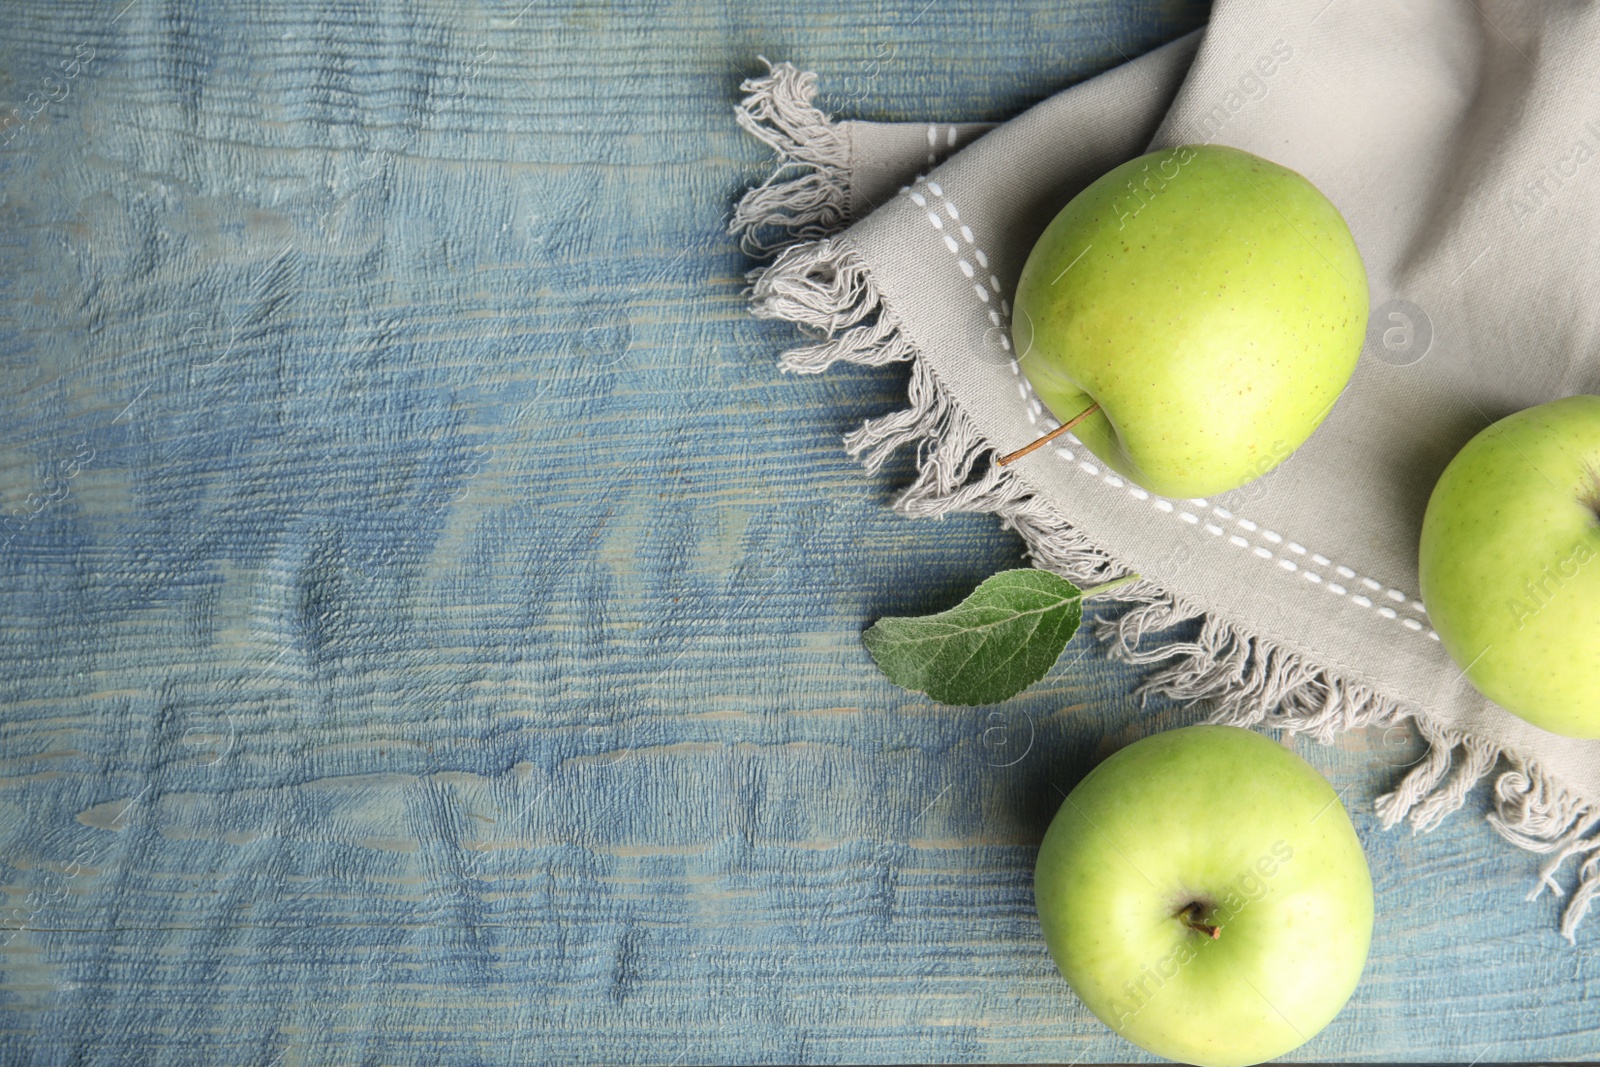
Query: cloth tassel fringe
[[807, 195], [822, 284]]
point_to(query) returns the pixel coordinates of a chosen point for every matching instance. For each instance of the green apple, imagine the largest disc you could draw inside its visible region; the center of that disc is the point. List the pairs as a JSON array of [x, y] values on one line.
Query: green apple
[[1205, 895], [1211, 302], [1510, 564]]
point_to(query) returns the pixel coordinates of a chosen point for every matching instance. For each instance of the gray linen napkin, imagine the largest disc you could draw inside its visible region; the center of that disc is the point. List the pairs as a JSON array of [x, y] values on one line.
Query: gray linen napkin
[[1462, 143]]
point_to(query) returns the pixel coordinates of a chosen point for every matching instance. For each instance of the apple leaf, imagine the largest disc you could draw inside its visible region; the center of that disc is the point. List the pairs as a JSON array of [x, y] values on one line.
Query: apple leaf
[[991, 646]]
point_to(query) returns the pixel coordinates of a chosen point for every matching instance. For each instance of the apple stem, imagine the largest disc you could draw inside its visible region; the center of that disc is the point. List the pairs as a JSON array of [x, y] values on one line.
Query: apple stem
[[1191, 917], [1052, 435]]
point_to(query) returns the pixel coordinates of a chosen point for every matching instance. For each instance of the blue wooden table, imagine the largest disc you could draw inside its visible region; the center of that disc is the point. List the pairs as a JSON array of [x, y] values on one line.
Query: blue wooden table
[[432, 624]]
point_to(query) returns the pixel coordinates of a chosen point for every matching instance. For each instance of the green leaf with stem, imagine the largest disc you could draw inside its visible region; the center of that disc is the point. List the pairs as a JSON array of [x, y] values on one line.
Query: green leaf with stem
[[990, 647]]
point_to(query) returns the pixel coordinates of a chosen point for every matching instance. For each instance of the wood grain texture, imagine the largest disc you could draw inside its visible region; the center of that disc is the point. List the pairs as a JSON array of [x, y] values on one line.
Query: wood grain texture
[[446, 647]]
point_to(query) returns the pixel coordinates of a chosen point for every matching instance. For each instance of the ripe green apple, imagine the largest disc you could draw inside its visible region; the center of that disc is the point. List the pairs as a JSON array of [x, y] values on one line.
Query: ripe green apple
[[1205, 895], [1212, 302], [1510, 564]]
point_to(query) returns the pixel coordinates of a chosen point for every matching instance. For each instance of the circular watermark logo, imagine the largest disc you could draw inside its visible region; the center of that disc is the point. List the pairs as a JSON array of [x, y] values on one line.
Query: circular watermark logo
[[990, 342], [1399, 749], [208, 744], [994, 341], [606, 343], [1399, 332], [1007, 737], [613, 741]]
